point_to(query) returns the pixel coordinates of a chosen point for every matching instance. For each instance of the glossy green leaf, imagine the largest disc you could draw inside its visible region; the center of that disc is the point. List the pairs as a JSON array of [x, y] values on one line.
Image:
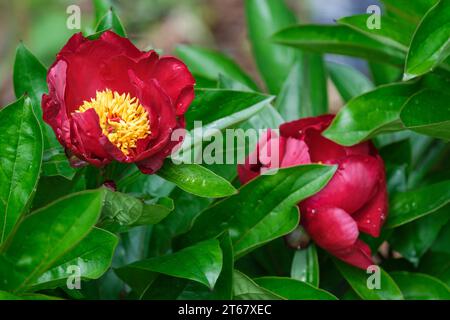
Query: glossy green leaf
[[267, 118], [219, 108], [414, 239], [122, 211], [348, 81], [28, 296], [245, 288], [431, 42], [223, 290], [339, 40], [264, 18], [45, 236], [411, 205], [20, 162], [101, 7], [304, 94], [110, 21], [384, 73], [292, 289], [197, 180], [211, 64], [411, 11], [263, 210], [441, 244], [374, 112], [393, 32], [93, 255], [416, 286], [436, 264], [206, 269], [305, 266], [55, 163], [427, 113], [30, 78], [358, 280]]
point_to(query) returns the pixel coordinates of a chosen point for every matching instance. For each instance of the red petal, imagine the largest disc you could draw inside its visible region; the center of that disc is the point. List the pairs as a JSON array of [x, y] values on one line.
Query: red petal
[[88, 139], [176, 80], [372, 216], [331, 228], [53, 106], [261, 158], [296, 153], [151, 94], [358, 255], [351, 187], [92, 65], [296, 129]]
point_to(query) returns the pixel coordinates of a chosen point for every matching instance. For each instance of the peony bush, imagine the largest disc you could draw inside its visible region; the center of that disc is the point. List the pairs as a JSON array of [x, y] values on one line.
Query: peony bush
[[118, 179]]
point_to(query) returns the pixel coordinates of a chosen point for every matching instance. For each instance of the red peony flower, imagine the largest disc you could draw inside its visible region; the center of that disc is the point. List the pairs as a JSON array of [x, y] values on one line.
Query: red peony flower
[[354, 201], [110, 101]]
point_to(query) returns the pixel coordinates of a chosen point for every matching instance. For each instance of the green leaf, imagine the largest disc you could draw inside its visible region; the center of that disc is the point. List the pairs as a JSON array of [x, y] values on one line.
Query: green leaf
[[264, 18], [220, 109], [372, 113], [245, 288], [55, 163], [122, 211], [211, 64], [29, 296], [358, 280], [101, 8], [414, 239], [223, 290], [384, 73], [263, 210], [339, 40], [411, 205], [45, 236], [264, 119], [431, 42], [207, 258], [110, 21], [436, 264], [93, 255], [197, 180], [417, 286], [305, 266], [412, 12], [292, 289], [441, 244], [30, 78], [427, 113], [393, 32], [304, 93], [20, 162], [349, 81]]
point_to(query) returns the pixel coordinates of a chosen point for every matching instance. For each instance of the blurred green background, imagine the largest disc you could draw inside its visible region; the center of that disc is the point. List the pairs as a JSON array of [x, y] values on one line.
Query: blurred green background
[[220, 24]]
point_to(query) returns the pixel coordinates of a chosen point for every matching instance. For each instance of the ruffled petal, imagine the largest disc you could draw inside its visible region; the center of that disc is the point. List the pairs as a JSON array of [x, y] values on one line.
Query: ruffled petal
[[351, 187], [176, 80], [88, 140], [262, 157], [372, 216], [164, 117], [53, 106], [358, 255], [331, 228], [296, 153]]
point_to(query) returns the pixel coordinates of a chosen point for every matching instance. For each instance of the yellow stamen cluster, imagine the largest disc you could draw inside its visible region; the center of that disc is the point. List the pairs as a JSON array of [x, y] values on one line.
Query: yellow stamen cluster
[[122, 118]]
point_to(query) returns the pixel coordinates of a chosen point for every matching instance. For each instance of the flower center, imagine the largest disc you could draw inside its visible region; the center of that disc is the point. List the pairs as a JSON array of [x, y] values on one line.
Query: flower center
[[122, 118]]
